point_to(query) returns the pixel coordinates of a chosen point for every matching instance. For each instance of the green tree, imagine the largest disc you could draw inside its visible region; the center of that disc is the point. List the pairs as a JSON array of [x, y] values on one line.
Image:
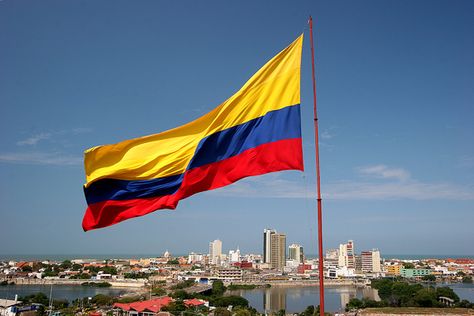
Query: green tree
[[76, 267], [309, 311], [242, 312], [408, 265], [39, 298], [66, 264], [158, 291], [429, 278], [102, 300], [218, 288], [281, 312], [233, 300], [447, 292], [220, 311], [181, 295], [426, 298]]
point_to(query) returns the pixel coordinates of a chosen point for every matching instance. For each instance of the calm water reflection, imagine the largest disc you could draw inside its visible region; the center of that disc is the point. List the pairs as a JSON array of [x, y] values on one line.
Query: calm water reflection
[[59, 291], [296, 299]]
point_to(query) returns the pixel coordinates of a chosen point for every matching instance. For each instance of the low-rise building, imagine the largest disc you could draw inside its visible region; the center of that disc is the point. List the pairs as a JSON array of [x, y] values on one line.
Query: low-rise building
[[414, 273]]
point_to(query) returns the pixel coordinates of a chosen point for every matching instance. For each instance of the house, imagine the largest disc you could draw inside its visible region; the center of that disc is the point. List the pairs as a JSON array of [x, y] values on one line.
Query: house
[[142, 308]]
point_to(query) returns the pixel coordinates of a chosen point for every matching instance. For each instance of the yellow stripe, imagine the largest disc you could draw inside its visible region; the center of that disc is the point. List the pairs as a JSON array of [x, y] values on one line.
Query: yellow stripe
[[275, 86]]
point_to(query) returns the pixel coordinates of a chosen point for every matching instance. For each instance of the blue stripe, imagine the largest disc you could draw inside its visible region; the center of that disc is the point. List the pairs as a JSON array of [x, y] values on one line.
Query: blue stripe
[[274, 126], [112, 189]]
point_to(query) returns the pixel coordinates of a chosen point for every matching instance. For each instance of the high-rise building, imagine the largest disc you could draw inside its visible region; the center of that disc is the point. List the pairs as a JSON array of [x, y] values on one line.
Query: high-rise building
[[295, 252], [278, 251], [347, 255], [234, 255], [371, 261], [274, 249], [267, 233], [215, 251]]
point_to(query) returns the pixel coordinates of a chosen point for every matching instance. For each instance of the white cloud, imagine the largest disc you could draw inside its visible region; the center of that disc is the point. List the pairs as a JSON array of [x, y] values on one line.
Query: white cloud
[[33, 140], [273, 186], [410, 190], [41, 158], [326, 135], [384, 172]]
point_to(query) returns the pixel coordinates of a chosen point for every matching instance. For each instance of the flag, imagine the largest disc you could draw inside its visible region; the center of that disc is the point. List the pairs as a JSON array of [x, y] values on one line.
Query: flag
[[255, 131]]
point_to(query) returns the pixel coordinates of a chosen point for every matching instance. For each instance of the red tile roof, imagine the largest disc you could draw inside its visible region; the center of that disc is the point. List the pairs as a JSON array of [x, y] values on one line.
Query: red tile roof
[[154, 305], [194, 302]]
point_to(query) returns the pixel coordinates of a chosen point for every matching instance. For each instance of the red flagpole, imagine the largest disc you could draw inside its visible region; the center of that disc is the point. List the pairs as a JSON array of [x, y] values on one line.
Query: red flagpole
[[318, 180]]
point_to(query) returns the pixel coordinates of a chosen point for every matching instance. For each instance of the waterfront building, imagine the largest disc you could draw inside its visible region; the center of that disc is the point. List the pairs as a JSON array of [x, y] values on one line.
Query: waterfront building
[[393, 269], [371, 261], [347, 255], [414, 273], [295, 253], [267, 233], [277, 251], [215, 252], [228, 274]]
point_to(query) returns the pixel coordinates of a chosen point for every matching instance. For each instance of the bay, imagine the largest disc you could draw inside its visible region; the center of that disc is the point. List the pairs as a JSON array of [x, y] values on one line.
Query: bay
[[296, 299], [69, 292]]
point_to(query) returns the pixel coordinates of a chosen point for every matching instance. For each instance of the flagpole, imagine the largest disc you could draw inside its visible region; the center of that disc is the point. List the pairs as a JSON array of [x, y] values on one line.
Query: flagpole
[[318, 180]]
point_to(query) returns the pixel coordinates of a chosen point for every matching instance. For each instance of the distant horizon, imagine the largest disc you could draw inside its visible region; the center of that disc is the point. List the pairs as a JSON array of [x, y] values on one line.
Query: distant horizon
[[58, 257]]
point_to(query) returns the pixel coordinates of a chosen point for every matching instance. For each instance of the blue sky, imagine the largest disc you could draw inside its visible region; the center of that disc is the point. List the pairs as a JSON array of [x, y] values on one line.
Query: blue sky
[[395, 99]]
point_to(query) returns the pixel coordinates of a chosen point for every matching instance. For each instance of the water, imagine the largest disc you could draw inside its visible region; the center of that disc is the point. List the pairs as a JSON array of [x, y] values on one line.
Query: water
[[296, 299], [69, 292]]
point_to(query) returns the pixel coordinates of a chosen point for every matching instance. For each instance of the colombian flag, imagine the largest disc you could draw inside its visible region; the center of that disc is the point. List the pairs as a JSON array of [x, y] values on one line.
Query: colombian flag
[[255, 131]]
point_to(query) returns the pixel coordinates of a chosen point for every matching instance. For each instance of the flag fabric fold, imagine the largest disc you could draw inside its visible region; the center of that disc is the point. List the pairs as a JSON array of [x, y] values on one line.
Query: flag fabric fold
[[255, 131]]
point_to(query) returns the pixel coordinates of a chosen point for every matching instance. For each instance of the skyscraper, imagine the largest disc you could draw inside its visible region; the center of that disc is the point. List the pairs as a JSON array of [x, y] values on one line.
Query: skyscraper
[[274, 248], [215, 251], [278, 251], [295, 252], [267, 233]]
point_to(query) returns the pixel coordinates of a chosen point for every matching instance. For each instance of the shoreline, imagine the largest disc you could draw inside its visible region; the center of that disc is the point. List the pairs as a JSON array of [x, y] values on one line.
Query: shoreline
[[75, 282]]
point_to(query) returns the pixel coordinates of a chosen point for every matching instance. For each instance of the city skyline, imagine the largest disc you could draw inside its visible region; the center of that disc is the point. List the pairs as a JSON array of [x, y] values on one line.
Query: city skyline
[[395, 113]]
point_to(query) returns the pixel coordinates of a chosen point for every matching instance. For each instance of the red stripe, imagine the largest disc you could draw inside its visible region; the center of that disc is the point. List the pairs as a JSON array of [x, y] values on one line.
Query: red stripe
[[276, 156]]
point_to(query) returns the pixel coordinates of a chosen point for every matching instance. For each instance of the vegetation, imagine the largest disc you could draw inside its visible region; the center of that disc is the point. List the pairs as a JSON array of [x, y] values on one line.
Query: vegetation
[[408, 265], [97, 284], [174, 261], [81, 276], [224, 301], [311, 311], [467, 279], [402, 294], [218, 288], [233, 287], [429, 278], [158, 291], [183, 285]]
